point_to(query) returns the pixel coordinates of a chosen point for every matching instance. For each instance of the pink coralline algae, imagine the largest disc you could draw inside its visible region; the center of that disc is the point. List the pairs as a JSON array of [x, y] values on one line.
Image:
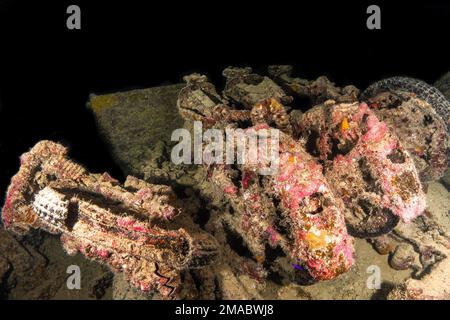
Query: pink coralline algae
[[366, 165], [339, 168], [422, 132], [293, 208], [113, 224], [312, 217], [314, 213]]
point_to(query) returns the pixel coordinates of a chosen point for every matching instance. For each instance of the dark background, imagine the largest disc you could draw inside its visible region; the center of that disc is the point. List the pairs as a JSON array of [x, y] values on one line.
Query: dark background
[[48, 71]]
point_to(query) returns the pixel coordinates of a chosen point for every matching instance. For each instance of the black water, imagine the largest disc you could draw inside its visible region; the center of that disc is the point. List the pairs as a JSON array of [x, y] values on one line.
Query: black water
[[47, 71]]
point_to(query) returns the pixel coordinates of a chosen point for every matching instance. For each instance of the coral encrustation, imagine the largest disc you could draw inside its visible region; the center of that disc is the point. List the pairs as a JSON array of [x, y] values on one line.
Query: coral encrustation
[[120, 226]]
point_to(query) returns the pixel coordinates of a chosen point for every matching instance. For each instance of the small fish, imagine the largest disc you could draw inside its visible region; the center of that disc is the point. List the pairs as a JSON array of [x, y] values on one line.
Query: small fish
[[297, 267]]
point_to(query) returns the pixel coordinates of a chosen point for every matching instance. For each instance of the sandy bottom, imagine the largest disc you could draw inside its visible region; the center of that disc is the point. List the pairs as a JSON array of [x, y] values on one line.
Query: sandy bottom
[[353, 284], [98, 283]]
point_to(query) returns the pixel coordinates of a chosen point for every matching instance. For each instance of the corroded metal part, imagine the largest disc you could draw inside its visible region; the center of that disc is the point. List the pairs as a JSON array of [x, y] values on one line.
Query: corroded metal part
[[366, 165], [293, 209], [114, 224], [419, 127]]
